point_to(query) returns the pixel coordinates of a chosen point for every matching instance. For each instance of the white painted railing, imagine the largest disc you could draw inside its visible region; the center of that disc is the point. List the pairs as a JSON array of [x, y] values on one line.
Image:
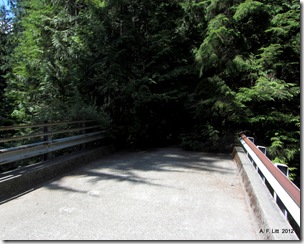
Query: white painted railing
[[285, 193]]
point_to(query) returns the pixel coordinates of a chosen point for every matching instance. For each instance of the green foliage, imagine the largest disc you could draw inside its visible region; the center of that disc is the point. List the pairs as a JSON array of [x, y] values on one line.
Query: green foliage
[[249, 67], [285, 149], [5, 50], [268, 89], [191, 142], [219, 35], [153, 72], [250, 9]]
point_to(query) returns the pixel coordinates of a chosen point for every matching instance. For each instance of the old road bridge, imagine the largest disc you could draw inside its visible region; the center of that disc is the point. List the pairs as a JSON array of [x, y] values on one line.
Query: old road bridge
[[80, 189]]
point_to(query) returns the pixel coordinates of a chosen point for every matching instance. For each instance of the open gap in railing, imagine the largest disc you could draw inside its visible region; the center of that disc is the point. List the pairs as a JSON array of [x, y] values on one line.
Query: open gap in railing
[[295, 226]]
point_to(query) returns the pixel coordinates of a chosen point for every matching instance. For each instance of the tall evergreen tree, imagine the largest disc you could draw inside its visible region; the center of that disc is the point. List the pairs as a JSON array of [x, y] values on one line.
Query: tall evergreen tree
[[249, 65], [5, 50], [155, 71]]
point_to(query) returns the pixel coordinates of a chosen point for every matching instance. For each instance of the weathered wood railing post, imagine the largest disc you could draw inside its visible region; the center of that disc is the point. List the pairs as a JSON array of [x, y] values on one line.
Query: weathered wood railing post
[[46, 138]]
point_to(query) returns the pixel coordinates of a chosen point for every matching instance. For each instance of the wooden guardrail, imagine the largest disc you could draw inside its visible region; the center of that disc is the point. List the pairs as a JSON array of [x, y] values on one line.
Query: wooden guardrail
[[49, 137], [286, 194]]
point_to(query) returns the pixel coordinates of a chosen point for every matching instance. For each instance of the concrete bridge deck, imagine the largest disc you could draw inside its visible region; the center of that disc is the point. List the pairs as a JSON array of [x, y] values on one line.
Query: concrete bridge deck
[[161, 194]]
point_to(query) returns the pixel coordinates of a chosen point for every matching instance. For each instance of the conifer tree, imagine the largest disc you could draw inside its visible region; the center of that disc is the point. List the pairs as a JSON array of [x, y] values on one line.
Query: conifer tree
[[159, 71]]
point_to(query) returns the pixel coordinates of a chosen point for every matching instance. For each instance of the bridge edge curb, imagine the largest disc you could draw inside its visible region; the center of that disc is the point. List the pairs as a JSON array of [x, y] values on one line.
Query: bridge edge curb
[[26, 179], [260, 201]]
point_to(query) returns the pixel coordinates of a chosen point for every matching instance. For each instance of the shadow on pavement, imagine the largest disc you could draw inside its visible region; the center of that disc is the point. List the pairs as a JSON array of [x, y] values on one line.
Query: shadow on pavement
[[127, 166]]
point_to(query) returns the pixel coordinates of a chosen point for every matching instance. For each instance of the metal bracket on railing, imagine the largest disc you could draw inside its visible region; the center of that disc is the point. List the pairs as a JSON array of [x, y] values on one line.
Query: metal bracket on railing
[[283, 168], [251, 139], [262, 149]]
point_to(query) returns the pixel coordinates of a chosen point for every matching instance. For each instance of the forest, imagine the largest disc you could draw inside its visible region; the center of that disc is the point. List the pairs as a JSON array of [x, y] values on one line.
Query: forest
[[192, 73]]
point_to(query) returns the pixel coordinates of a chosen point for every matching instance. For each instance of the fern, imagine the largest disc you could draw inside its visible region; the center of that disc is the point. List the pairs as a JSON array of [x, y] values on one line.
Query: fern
[[249, 8]]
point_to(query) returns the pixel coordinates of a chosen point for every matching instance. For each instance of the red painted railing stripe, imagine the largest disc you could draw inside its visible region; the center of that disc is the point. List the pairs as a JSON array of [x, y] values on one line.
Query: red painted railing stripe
[[288, 186]]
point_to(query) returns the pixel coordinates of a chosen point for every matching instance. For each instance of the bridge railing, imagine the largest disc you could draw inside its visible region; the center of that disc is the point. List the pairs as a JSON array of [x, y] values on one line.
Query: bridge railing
[[44, 139], [285, 193]]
